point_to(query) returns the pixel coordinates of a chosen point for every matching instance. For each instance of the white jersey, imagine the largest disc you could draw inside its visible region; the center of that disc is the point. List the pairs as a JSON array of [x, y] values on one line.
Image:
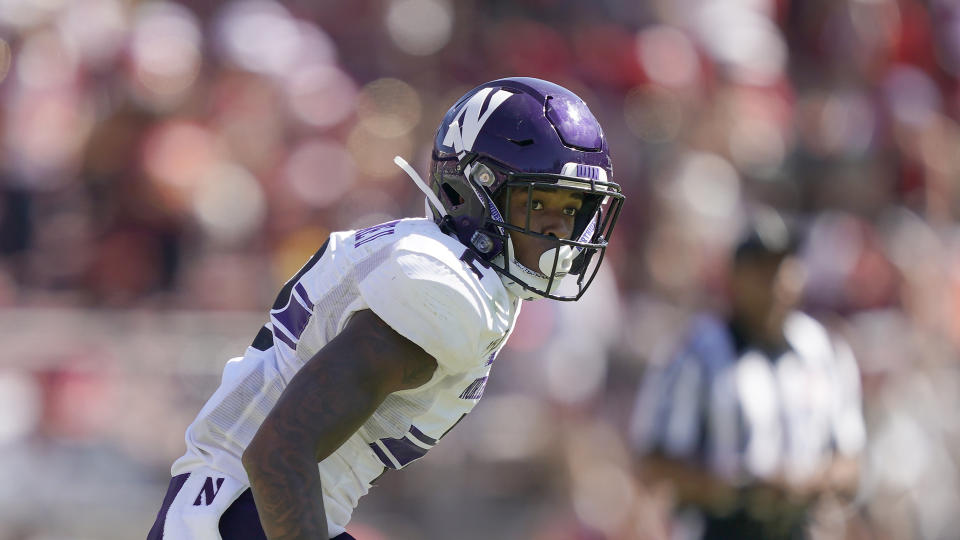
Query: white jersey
[[425, 285]]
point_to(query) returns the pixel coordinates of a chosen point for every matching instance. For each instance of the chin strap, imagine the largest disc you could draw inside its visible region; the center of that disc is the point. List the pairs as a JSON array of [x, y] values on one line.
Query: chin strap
[[431, 196]]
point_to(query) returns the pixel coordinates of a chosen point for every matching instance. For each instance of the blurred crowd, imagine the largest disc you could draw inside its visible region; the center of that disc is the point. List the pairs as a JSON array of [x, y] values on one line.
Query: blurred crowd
[[167, 166]]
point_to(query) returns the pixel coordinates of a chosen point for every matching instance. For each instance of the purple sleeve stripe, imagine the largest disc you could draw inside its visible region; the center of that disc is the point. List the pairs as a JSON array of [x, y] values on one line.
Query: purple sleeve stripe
[[373, 237], [420, 436], [303, 294], [404, 450], [293, 318], [277, 333], [382, 456], [475, 390]]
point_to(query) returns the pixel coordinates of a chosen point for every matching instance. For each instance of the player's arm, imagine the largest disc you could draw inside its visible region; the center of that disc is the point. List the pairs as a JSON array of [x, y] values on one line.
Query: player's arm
[[323, 405]]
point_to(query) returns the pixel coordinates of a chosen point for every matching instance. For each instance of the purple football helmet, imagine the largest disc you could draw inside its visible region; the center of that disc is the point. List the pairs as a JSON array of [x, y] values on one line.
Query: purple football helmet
[[522, 134]]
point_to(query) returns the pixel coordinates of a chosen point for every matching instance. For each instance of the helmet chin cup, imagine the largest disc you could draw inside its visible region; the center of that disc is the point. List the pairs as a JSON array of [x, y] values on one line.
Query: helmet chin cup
[[525, 282], [563, 256]]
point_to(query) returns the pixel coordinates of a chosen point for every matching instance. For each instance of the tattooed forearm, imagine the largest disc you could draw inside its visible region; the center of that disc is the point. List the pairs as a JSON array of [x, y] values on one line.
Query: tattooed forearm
[[287, 492], [316, 412], [322, 406]]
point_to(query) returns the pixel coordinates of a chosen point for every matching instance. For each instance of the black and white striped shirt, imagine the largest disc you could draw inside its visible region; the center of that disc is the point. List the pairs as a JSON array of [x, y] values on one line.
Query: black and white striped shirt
[[744, 414]]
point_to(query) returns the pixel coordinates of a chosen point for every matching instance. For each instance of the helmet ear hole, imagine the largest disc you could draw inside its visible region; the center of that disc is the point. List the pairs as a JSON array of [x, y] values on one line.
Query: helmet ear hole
[[452, 195]]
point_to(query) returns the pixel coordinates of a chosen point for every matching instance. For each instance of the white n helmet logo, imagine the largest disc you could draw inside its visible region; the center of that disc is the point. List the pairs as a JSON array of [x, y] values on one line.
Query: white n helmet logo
[[463, 131]]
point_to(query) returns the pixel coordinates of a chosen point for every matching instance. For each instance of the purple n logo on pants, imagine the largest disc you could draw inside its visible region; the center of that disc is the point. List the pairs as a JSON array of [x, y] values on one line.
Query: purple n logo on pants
[[208, 492]]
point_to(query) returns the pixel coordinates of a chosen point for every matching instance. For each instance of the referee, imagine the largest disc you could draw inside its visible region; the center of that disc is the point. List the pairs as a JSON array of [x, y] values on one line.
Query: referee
[[757, 412]]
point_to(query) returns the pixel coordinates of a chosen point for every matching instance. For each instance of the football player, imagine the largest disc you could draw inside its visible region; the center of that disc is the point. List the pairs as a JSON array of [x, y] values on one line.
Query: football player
[[385, 338]]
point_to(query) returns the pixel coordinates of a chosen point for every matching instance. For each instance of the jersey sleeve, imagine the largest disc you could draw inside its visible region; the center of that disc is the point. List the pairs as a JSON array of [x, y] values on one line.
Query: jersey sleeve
[[428, 299]]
